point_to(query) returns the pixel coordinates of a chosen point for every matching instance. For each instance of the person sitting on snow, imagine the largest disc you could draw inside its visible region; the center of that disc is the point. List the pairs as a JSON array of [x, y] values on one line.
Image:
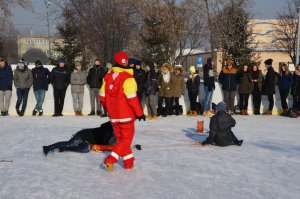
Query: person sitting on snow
[[220, 133], [81, 142]]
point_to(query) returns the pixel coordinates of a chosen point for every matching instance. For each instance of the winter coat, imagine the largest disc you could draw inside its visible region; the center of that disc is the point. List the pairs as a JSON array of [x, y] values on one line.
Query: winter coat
[[23, 78], [178, 86], [193, 85], [6, 78], [41, 78], [78, 80], [165, 89], [139, 76], [220, 129], [245, 85], [118, 95], [60, 78], [286, 82], [228, 79], [296, 84], [269, 85], [260, 79], [151, 83], [209, 77], [95, 77]]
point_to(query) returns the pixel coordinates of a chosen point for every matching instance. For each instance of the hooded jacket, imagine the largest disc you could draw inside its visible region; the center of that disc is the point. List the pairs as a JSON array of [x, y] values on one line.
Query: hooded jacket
[[41, 78], [6, 78], [23, 78], [228, 79], [118, 95]]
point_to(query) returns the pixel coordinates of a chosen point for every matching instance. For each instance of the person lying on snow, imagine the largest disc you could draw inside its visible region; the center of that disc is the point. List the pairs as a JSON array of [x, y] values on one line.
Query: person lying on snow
[[220, 133], [81, 142]]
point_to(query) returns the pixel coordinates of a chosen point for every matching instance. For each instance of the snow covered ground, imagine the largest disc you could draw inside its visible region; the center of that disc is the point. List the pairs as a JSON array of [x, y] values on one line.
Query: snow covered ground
[[267, 165]]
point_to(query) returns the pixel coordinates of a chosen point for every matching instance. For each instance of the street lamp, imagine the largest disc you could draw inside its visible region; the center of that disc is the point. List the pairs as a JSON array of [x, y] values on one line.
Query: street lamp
[[298, 35], [48, 3]]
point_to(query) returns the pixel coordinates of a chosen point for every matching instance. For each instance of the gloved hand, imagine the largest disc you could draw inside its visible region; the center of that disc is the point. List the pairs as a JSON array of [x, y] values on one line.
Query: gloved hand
[[142, 117]]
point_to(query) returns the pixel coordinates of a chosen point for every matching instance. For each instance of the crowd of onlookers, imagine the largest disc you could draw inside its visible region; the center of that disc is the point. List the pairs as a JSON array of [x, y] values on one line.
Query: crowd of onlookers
[[166, 82]]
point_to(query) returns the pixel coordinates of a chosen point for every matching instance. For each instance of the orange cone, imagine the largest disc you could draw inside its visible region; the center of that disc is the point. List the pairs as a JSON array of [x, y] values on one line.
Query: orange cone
[[200, 124]]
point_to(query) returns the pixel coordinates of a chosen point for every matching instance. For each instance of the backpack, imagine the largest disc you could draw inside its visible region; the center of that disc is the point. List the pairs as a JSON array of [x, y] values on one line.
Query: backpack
[[277, 78]]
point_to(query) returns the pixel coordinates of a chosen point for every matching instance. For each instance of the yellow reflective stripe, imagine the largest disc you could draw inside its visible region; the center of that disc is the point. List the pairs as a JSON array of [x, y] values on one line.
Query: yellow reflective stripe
[[130, 87], [102, 89], [118, 70]]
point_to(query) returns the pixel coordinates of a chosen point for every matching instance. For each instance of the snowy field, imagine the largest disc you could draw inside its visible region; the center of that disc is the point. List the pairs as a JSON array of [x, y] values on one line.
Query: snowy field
[[267, 165]]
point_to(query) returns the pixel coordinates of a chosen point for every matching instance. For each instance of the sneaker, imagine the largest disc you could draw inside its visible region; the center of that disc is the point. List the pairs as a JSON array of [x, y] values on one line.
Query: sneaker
[[41, 113], [34, 112], [55, 115], [19, 113]]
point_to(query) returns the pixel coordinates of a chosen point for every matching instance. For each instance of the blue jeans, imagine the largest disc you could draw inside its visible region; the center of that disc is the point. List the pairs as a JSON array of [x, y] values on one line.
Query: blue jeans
[[40, 97], [22, 95], [207, 99]]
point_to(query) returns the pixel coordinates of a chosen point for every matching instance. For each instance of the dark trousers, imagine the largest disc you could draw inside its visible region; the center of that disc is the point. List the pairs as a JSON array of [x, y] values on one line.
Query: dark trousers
[[283, 96], [193, 100], [140, 95], [59, 99], [167, 105], [229, 97], [22, 95], [176, 100], [296, 102], [244, 98], [271, 102], [256, 97]]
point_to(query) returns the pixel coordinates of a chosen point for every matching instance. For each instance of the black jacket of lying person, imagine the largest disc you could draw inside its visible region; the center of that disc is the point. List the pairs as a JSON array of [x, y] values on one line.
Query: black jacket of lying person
[[82, 140], [220, 128]]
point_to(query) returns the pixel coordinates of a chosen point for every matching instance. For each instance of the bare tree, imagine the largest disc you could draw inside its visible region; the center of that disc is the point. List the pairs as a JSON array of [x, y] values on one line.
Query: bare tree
[[286, 29], [9, 37]]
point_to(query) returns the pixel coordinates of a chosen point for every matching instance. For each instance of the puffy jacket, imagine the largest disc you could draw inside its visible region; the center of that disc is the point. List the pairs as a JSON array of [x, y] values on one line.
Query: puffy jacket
[[269, 85], [78, 80], [193, 85], [228, 79], [245, 85], [118, 95], [208, 76], [41, 78], [6, 78], [220, 129], [296, 84], [23, 78], [95, 77], [165, 89], [60, 77], [151, 83], [286, 82]]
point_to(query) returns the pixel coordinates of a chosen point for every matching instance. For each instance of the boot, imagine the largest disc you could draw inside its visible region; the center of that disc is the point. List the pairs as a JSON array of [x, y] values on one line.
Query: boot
[[256, 112], [98, 113], [194, 113], [19, 113], [46, 150], [298, 112], [284, 112], [80, 113], [34, 112], [246, 112], [91, 113], [2, 113], [268, 112], [104, 115], [41, 112], [76, 113], [242, 112]]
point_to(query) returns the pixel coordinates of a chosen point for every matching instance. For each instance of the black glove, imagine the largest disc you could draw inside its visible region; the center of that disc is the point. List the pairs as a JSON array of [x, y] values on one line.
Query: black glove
[[142, 117]]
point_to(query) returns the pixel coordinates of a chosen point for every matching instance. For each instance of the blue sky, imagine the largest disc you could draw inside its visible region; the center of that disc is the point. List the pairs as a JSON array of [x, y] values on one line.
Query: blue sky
[[25, 20]]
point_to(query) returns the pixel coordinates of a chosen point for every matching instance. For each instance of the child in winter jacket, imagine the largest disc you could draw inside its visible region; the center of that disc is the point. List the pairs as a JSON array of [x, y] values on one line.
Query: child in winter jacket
[[220, 128], [118, 96]]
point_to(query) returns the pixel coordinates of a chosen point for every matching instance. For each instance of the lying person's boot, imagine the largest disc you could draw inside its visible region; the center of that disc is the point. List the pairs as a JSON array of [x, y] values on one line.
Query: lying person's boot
[[239, 143], [46, 150]]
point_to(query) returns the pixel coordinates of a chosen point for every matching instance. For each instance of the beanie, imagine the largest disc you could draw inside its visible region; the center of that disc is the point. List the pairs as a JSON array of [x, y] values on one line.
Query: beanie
[[269, 62], [61, 60], [192, 69], [221, 106], [37, 62], [121, 58]]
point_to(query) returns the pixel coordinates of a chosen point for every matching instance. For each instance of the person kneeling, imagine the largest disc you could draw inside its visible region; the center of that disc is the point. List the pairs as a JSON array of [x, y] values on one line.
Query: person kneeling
[[81, 142], [220, 128]]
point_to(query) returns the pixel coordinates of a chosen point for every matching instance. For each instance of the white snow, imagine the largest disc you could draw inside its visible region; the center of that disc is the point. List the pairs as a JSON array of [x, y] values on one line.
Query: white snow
[[267, 165]]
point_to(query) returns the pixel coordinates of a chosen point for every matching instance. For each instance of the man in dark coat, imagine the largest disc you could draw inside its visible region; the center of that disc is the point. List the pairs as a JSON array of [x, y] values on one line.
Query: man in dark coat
[[82, 140], [269, 86], [41, 80], [94, 80], [6, 79], [139, 76], [60, 79], [220, 128]]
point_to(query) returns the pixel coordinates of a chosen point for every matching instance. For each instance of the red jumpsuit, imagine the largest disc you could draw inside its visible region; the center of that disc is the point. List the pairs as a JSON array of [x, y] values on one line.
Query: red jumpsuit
[[118, 96]]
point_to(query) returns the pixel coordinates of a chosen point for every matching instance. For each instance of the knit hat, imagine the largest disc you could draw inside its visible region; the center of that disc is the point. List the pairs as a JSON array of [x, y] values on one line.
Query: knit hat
[[269, 62], [37, 62], [221, 106], [121, 58], [192, 69], [61, 60], [2, 59], [21, 61]]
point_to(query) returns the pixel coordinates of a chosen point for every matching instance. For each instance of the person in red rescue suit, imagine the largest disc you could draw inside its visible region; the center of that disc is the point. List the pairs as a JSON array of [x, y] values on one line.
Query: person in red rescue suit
[[118, 95]]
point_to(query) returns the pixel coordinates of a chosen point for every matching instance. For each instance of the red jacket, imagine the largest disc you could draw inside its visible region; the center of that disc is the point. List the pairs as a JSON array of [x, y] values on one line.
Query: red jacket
[[118, 95]]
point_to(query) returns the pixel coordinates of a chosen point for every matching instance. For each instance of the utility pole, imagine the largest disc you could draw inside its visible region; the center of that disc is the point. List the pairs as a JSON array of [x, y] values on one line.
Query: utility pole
[[298, 35], [47, 3]]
